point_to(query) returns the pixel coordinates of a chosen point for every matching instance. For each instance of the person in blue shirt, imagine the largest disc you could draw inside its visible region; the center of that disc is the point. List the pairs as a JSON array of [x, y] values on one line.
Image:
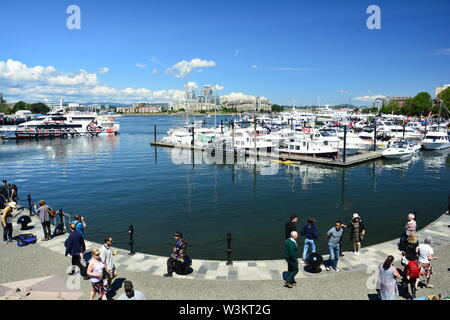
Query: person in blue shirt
[[310, 233], [80, 224]]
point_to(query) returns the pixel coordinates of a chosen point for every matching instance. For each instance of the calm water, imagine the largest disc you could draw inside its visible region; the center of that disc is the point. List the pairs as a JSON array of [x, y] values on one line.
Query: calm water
[[121, 180]]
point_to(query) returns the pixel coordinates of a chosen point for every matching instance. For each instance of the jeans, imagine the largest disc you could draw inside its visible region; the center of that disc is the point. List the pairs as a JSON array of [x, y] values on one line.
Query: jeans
[[292, 271], [308, 243], [47, 229], [7, 232], [334, 255]]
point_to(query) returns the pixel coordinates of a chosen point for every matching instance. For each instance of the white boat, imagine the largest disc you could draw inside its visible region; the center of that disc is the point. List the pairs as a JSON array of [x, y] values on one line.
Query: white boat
[[306, 146], [436, 140], [399, 150]]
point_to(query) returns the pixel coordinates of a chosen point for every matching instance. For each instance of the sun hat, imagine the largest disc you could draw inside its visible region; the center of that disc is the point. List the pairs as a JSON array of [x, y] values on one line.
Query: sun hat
[[12, 205], [355, 215]]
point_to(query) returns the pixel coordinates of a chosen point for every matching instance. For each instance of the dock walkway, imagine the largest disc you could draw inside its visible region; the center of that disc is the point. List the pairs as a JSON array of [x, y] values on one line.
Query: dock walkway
[[350, 160]]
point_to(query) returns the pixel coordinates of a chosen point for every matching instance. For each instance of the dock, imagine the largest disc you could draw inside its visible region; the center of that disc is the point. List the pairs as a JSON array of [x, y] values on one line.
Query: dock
[[349, 161]]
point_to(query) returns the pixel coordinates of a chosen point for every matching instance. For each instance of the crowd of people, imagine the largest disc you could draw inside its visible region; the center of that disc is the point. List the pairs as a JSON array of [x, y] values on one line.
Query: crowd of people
[[416, 258]]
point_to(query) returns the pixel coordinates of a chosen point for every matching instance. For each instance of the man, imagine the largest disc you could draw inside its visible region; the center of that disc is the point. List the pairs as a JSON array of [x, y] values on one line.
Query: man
[[291, 226], [74, 247], [291, 256], [311, 234], [106, 255], [4, 189], [178, 254], [44, 216], [7, 220], [426, 256], [334, 236], [130, 293]]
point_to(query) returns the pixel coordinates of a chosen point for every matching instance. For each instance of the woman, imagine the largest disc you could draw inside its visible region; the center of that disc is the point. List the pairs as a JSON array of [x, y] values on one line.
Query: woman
[[357, 233], [95, 272], [80, 224], [387, 275], [426, 252], [410, 228], [13, 196]]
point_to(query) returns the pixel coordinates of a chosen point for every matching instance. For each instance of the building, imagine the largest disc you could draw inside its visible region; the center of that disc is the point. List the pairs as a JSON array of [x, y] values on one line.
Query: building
[[144, 107], [401, 100], [248, 104], [440, 89], [1, 99], [379, 103]]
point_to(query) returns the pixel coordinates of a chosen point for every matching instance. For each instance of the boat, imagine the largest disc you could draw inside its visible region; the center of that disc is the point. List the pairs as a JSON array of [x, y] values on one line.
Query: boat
[[436, 140], [399, 150]]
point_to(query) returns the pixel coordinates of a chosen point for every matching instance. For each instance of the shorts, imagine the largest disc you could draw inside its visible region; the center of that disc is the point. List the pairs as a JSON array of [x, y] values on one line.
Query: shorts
[[426, 269], [99, 288]]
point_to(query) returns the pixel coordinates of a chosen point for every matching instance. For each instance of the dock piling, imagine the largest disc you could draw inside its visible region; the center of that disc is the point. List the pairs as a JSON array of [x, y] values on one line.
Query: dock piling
[[345, 143]]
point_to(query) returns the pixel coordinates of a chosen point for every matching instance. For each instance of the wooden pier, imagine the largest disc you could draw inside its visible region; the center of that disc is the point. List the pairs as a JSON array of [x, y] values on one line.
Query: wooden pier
[[349, 161]]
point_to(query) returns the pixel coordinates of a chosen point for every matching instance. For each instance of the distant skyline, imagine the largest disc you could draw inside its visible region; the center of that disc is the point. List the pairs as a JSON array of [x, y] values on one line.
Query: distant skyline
[[291, 52]]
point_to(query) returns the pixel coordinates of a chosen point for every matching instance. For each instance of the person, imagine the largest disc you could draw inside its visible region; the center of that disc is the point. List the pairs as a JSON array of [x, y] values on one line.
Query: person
[[74, 247], [410, 228], [311, 234], [106, 256], [13, 195], [177, 255], [387, 274], [291, 225], [4, 189], [357, 232], [44, 216], [3, 201], [411, 275], [130, 293], [426, 253], [291, 256], [80, 224], [95, 272], [7, 220], [334, 236]]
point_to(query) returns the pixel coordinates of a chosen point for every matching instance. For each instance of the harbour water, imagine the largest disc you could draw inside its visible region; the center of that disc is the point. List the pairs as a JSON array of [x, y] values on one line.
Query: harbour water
[[115, 181]]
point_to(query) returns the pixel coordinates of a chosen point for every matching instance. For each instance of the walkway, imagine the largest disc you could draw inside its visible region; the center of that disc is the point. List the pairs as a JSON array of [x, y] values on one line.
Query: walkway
[[254, 270]]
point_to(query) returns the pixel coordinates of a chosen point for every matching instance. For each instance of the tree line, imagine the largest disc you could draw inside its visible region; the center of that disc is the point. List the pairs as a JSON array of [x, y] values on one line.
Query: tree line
[[38, 107]]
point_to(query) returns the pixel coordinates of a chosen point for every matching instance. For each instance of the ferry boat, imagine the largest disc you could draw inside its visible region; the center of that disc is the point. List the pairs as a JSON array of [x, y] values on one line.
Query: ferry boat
[[59, 123]]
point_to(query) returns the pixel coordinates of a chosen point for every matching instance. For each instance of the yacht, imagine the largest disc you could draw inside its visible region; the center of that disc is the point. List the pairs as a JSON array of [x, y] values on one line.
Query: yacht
[[399, 150], [436, 140]]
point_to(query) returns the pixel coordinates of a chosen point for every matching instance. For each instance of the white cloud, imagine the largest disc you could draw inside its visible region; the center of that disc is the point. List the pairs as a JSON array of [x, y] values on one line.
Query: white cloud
[[155, 61], [343, 91], [191, 85], [236, 53], [184, 68], [443, 52], [369, 91], [103, 70], [154, 72], [39, 83], [369, 98], [141, 65], [254, 66], [237, 96], [217, 87]]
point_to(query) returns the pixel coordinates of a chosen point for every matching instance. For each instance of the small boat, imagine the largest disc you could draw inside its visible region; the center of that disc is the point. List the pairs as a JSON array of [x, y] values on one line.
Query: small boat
[[399, 150], [436, 140]]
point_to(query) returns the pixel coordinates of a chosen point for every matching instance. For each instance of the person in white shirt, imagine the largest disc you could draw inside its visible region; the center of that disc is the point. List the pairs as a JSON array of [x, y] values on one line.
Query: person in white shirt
[[425, 252], [106, 256]]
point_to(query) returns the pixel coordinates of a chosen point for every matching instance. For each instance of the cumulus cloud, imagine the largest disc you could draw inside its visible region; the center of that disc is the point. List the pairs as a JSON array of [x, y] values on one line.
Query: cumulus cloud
[[39, 83], [183, 68], [103, 70], [369, 98], [191, 85], [217, 87], [238, 96]]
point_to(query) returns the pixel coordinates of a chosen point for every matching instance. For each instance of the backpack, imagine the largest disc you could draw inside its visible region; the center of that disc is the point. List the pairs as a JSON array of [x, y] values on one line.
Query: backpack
[[25, 239], [412, 270]]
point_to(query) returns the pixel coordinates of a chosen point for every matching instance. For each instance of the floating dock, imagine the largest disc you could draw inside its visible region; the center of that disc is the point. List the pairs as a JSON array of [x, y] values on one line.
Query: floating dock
[[349, 160]]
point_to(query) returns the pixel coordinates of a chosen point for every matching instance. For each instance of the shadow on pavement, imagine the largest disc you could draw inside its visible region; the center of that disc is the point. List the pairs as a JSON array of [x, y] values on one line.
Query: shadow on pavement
[[115, 286]]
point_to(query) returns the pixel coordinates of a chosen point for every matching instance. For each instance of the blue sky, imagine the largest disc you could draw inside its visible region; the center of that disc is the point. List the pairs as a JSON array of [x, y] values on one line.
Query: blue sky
[[284, 50]]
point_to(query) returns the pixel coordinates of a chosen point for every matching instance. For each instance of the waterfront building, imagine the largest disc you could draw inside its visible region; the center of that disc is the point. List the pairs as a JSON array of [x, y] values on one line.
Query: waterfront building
[[248, 104]]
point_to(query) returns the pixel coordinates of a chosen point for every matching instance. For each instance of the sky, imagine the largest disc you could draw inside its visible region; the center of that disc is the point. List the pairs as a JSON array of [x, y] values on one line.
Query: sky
[[290, 51]]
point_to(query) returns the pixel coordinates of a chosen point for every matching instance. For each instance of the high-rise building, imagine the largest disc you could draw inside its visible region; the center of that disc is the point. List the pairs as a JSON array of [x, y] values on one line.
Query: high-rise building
[[1, 98], [207, 91]]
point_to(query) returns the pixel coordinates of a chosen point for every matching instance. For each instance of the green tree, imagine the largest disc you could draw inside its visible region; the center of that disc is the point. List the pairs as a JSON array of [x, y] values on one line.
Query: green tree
[[445, 96], [39, 108], [277, 108], [20, 106], [421, 104], [391, 106]]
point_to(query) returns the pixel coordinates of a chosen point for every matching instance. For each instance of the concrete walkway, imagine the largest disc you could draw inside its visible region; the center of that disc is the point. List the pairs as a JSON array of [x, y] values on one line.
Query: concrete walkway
[[370, 257]]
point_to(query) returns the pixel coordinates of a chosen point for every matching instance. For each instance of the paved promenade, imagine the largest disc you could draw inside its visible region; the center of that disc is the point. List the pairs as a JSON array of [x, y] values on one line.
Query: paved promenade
[[47, 258], [255, 270]]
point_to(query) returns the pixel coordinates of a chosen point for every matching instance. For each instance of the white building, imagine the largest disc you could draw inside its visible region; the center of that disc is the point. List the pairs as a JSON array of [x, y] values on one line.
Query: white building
[[440, 89]]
